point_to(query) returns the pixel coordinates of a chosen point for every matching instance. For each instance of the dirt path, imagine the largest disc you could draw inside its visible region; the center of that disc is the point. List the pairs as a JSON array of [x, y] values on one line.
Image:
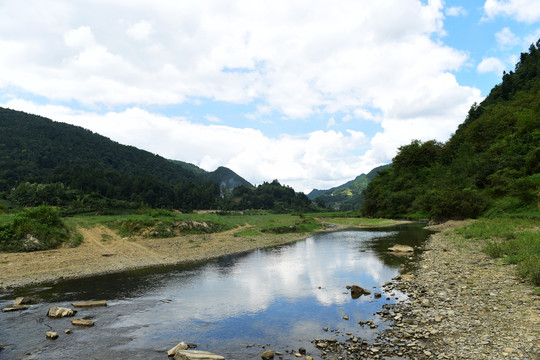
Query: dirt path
[[101, 239], [103, 251]]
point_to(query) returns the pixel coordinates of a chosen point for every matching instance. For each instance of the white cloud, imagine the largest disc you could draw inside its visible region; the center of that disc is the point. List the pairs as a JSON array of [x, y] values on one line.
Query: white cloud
[[318, 159], [213, 119], [331, 122], [491, 64], [81, 37], [140, 31], [506, 38], [527, 11], [531, 38], [380, 61], [300, 59], [347, 118], [455, 11]]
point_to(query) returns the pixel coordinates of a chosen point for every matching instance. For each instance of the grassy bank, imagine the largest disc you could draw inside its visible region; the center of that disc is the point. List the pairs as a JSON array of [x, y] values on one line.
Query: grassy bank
[[49, 230], [167, 224], [43, 228], [514, 240]]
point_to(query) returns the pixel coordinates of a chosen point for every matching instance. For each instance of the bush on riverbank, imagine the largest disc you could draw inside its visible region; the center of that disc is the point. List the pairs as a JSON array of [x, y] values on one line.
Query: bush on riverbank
[[33, 229], [515, 240]]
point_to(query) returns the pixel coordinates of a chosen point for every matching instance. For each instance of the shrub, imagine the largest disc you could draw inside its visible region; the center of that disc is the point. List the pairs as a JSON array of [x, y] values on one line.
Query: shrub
[[33, 229]]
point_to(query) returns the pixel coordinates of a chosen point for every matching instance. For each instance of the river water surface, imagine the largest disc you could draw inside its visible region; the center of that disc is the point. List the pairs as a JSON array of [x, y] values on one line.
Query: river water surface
[[237, 306]]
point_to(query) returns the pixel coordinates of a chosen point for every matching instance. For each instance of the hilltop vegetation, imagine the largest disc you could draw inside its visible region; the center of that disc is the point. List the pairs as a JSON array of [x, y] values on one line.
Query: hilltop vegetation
[[345, 197], [46, 162], [490, 166]]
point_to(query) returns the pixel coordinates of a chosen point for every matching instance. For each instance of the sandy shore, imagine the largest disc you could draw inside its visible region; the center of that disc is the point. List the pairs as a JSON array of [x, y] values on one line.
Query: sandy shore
[[103, 251]]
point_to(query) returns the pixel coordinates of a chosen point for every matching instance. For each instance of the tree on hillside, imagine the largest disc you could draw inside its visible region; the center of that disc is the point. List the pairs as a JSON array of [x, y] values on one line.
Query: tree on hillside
[[490, 164]]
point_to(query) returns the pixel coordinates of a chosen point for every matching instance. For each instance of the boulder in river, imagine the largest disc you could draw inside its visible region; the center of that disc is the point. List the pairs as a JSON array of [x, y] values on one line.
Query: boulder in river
[[24, 300], [51, 335], [180, 346], [60, 312], [94, 303], [196, 355], [267, 355], [16, 308], [82, 322], [357, 291], [401, 249]]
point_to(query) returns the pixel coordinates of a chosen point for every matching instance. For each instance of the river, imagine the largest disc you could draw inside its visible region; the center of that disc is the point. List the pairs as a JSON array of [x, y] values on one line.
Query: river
[[237, 306]]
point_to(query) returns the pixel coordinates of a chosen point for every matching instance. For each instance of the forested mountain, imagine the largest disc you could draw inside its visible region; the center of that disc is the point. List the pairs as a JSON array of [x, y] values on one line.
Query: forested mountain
[[347, 196], [225, 177], [272, 196], [59, 164], [491, 165]]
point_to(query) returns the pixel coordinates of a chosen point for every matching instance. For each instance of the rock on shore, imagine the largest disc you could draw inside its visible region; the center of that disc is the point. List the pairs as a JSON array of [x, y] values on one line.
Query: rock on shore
[[463, 305], [196, 355]]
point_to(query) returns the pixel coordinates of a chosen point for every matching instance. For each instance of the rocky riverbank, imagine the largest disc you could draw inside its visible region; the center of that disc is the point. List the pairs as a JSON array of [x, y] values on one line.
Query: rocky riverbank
[[461, 305]]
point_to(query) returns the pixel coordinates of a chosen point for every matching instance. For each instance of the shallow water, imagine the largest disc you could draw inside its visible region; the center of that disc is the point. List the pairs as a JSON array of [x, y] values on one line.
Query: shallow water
[[278, 298]]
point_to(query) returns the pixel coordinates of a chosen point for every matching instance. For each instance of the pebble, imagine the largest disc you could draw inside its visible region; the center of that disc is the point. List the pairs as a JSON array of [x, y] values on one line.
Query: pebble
[[461, 305]]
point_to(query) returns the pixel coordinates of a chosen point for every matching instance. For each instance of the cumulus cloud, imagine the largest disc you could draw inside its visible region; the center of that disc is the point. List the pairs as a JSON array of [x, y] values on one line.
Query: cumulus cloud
[[140, 31], [297, 60], [317, 159], [358, 61], [506, 38], [491, 64], [81, 37], [527, 11], [455, 11]]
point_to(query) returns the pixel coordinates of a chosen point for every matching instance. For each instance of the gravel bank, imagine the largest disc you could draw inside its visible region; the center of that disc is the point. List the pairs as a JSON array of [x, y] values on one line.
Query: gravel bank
[[461, 305]]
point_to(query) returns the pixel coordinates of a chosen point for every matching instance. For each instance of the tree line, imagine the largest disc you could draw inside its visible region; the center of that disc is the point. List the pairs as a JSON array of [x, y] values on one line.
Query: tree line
[[491, 165], [46, 162]]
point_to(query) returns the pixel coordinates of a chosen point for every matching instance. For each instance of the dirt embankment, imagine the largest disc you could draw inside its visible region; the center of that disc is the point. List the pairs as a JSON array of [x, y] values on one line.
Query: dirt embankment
[[103, 251]]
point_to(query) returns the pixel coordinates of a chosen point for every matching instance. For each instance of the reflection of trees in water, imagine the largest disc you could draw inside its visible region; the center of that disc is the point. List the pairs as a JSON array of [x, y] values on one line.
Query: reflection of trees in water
[[125, 284], [412, 235], [135, 283]]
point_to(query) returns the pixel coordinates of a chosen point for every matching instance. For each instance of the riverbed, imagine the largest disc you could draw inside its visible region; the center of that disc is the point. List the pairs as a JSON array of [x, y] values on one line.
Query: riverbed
[[279, 298]]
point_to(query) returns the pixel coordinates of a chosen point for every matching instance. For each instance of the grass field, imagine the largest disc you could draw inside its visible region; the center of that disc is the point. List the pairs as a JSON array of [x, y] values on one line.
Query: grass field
[[515, 240]]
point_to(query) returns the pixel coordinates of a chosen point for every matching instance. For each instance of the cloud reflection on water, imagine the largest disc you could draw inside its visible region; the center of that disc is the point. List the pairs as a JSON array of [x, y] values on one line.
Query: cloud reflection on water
[[291, 273]]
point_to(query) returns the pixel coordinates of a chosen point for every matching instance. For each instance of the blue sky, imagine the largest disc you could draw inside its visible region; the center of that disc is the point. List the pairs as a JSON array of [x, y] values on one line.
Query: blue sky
[[312, 93]]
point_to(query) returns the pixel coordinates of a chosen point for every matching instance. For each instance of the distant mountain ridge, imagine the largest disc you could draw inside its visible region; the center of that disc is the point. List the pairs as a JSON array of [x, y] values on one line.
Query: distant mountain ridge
[[222, 175], [37, 150], [347, 196]]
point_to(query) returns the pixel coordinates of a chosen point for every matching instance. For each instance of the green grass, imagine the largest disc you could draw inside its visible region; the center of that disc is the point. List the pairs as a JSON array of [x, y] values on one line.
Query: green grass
[[38, 228], [247, 232], [6, 219], [163, 222], [515, 240]]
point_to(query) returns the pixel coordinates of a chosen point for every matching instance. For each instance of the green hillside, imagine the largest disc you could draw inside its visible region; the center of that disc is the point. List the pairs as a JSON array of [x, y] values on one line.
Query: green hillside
[[225, 177], [47, 162], [347, 196], [490, 166], [42, 161]]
